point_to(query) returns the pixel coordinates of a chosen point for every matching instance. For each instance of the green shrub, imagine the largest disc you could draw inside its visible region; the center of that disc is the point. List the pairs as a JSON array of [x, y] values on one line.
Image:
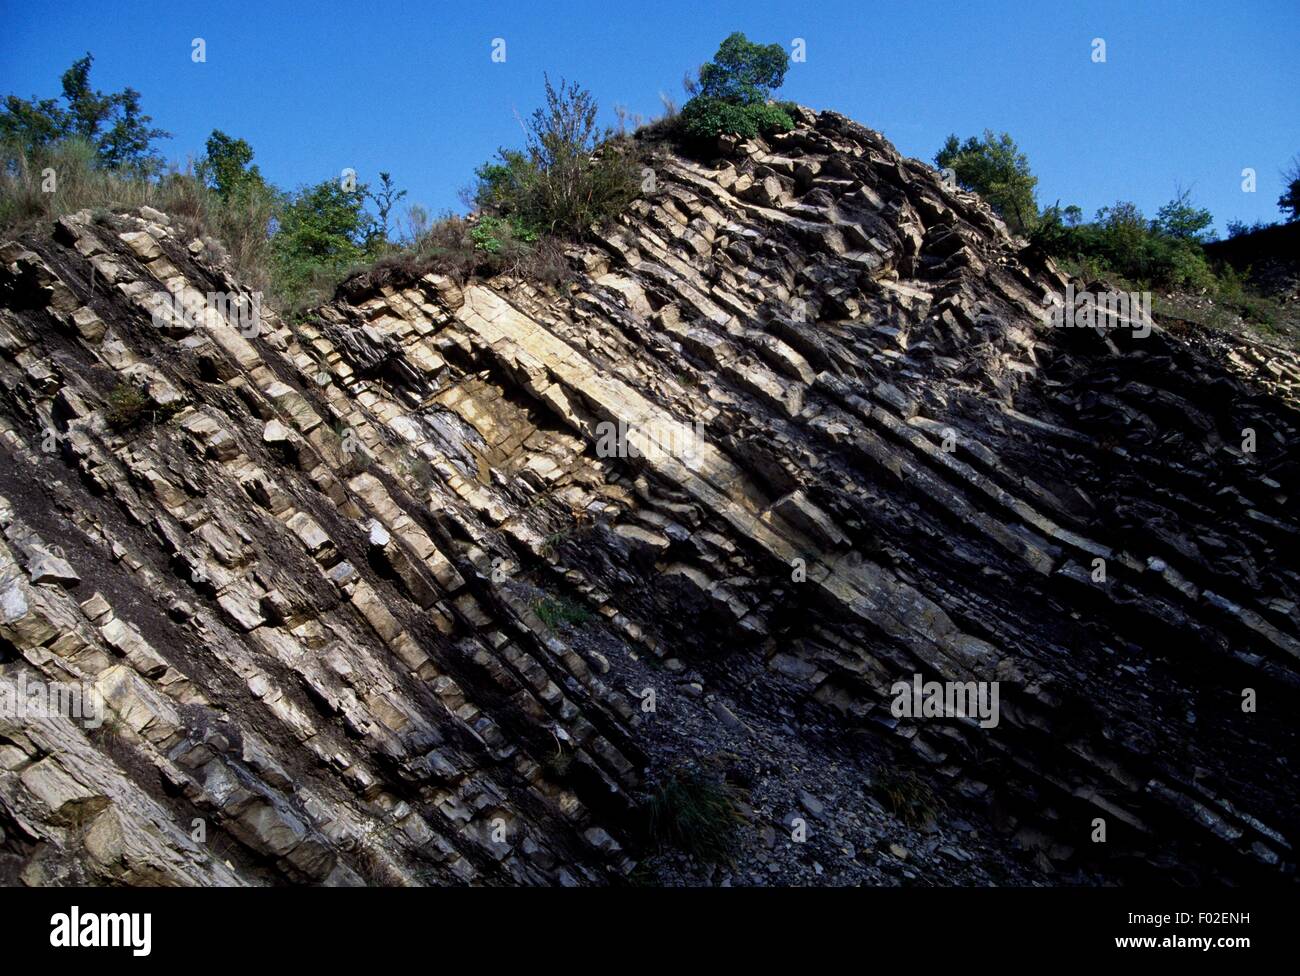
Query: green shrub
[[504, 187], [1233, 292], [498, 235], [996, 169], [1260, 310], [554, 611], [126, 407], [324, 232], [733, 91], [570, 175], [1162, 253], [706, 118]]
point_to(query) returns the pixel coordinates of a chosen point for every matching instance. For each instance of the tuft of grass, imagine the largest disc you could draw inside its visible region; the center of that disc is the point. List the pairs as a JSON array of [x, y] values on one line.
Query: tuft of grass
[[551, 543], [695, 814], [908, 798], [554, 611], [127, 407], [419, 468], [559, 763], [111, 727]]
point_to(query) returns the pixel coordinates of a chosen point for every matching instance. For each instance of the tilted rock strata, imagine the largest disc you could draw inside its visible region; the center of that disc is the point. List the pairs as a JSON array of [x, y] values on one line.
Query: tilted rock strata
[[313, 587]]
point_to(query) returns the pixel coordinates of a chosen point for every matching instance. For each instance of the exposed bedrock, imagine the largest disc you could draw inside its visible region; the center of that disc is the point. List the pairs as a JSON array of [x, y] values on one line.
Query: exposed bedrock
[[330, 577]]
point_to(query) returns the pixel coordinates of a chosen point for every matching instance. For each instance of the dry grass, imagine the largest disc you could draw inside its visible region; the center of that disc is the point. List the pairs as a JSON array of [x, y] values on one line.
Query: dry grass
[[694, 813], [63, 178]]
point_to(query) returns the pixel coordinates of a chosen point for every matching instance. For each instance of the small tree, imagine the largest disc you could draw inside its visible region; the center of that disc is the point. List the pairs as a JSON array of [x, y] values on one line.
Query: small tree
[[1289, 201], [1239, 228], [996, 169], [1123, 233], [744, 73], [225, 167], [245, 204], [1178, 218], [323, 229], [733, 89], [569, 175], [112, 122], [384, 199]]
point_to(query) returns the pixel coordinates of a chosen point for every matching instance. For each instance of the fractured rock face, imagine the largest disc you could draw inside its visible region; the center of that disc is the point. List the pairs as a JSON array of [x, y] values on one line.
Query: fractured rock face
[[377, 600]]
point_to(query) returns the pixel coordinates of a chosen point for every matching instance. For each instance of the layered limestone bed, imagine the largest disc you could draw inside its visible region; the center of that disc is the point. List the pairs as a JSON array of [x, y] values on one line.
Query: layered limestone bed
[[368, 602]]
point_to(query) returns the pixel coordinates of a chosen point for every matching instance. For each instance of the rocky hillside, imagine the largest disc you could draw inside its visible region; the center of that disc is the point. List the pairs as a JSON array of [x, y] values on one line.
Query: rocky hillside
[[370, 599]]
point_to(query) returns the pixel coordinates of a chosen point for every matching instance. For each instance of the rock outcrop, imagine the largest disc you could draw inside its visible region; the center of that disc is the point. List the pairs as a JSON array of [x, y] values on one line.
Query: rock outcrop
[[436, 584]]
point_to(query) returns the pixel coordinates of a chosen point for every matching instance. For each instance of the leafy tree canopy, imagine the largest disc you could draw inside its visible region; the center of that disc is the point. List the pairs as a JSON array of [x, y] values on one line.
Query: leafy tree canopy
[[744, 73], [996, 169], [112, 122], [225, 166], [732, 94], [1289, 201], [1178, 218], [323, 230]]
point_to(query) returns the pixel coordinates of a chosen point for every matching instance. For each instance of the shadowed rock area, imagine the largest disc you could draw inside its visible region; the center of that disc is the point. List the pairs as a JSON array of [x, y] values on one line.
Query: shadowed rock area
[[368, 602]]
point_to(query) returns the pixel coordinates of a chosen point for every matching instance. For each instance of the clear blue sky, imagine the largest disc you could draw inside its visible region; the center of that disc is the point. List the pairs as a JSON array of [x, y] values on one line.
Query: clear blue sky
[[1192, 92]]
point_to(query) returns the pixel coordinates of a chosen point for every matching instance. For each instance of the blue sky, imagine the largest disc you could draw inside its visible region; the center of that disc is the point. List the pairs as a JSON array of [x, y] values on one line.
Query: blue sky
[[1191, 92]]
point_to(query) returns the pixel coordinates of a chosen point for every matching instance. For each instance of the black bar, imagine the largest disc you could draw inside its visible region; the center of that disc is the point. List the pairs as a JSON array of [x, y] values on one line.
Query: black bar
[[926, 926]]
